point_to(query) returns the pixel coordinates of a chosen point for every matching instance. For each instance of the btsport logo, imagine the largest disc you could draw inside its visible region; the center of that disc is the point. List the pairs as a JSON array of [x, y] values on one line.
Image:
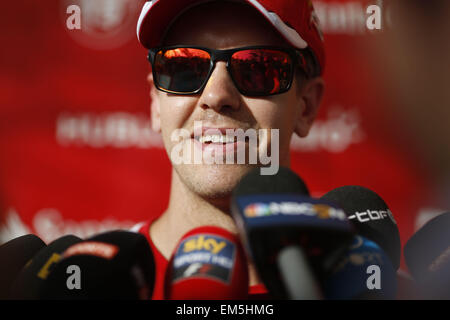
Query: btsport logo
[[373, 215]]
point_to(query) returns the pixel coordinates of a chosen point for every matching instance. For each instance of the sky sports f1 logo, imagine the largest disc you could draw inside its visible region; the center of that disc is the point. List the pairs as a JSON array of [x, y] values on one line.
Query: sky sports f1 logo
[[372, 215], [204, 256], [321, 211]]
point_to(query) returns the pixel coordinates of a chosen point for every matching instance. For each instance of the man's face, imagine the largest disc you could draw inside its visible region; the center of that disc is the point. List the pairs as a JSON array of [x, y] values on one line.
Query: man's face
[[220, 105]]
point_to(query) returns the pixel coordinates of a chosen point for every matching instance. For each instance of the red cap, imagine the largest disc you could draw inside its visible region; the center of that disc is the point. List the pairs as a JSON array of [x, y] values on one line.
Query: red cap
[[295, 20]]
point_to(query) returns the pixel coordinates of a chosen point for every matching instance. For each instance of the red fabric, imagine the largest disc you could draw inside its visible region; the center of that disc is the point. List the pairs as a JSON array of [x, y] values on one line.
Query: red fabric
[[256, 292]]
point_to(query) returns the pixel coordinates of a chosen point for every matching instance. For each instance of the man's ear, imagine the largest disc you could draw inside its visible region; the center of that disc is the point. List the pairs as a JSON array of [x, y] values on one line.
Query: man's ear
[[310, 98], [155, 109]]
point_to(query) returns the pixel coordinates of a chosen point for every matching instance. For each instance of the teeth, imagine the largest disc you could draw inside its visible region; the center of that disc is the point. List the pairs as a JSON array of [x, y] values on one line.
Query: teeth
[[216, 139]]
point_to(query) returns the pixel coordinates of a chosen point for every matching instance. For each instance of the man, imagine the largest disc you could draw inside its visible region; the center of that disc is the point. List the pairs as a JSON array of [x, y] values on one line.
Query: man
[[274, 86]]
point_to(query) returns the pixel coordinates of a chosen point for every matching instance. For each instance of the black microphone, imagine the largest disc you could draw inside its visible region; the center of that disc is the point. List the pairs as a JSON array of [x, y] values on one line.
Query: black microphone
[[427, 255], [371, 217], [292, 238], [364, 272], [33, 276], [111, 265], [14, 255]]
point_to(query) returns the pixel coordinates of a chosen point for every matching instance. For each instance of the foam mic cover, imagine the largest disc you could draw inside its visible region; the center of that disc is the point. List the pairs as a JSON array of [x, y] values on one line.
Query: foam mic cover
[[427, 255], [32, 277], [283, 182], [111, 265], [364, 272], [285, 232], [371, 217], [208, 264], [14, 255]]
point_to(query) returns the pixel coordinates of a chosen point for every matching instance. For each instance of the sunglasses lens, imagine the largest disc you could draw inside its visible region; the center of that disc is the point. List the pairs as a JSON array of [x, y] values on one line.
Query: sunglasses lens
[[261, 71], [181, 70]]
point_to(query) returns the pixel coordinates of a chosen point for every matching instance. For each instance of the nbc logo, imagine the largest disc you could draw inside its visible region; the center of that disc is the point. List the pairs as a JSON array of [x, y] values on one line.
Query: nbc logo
[[257, 210]]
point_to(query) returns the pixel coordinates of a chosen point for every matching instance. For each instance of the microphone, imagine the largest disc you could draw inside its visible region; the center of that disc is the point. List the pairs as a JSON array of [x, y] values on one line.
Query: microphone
[[427, 255], [292, 239], [208, 264], [14, 254], [364, 272], [32, 277], [371, 217], [112, 265]]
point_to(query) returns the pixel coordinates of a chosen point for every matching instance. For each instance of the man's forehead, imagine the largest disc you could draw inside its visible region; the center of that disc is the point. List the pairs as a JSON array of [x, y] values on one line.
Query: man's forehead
[[224, 24]]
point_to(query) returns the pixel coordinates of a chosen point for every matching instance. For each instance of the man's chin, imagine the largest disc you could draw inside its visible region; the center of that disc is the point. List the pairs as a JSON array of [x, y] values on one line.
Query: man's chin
[[212, 182]]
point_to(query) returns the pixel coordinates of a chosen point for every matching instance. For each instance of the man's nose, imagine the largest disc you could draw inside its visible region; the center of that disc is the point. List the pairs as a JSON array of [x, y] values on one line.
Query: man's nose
[[220, 91]]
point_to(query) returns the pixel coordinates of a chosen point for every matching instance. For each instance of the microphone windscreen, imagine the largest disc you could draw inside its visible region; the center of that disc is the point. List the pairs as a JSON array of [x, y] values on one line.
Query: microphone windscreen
[[364, 272], [371, 217], [273, 213], [17, 253], [111, 265], [427, 255], [208, 264], [284, 182], [33, 276]]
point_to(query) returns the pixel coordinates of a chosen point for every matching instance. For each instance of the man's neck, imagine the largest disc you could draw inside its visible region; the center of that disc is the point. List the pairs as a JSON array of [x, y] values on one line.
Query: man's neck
[[187, 211]]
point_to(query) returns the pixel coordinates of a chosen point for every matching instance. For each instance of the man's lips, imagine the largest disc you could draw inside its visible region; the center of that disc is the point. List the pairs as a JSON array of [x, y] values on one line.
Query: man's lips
[[225, 140], [210, 135]]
